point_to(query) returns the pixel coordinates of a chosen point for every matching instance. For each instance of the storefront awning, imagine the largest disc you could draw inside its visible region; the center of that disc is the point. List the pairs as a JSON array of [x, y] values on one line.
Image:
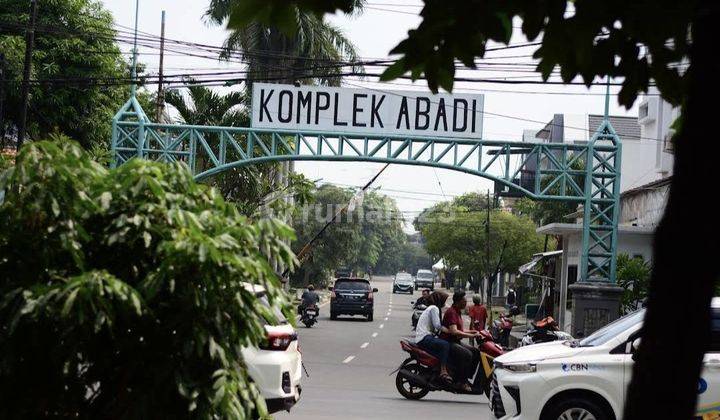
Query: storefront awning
[[440, 265], [536, 259]]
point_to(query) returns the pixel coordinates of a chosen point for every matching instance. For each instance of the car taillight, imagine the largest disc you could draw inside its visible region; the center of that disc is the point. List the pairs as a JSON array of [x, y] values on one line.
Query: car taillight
[[278, 341]]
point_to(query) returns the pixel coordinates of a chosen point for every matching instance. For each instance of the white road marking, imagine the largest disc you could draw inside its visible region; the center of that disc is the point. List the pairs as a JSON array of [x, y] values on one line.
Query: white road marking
[[381, 326], [348, 359], [364, 345], [386, 318], [374, 334]]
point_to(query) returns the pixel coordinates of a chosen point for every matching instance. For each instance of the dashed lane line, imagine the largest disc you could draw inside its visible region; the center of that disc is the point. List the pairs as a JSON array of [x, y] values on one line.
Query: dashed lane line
[[348, 359], [381, 326], [364, 345], [374, 334], [386, 318]]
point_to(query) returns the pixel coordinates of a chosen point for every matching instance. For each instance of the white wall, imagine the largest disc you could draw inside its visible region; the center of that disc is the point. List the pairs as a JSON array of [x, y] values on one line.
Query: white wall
[[644, 208], [654, 130]]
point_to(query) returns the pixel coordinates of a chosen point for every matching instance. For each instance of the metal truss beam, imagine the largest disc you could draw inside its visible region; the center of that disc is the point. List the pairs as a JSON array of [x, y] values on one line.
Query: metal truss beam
[[584, 173]]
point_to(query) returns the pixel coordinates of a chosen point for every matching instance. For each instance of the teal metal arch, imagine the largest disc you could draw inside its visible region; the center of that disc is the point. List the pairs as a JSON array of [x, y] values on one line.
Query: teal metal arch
[[587, 173]]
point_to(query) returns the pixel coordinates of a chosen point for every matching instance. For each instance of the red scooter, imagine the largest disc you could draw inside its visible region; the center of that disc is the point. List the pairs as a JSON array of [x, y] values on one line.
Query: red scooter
[[420, 373], [502, 327]]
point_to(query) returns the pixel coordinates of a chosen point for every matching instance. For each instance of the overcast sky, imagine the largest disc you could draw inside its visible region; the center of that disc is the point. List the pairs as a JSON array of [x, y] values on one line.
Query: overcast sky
[[382, 25]]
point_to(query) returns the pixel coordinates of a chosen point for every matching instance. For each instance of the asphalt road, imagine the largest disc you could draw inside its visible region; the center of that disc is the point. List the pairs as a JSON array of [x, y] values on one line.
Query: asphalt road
[[349, 361]]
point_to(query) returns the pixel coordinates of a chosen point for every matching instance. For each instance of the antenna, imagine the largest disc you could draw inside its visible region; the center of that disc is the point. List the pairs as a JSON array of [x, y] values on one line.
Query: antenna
[[607, 100], [133, 72]]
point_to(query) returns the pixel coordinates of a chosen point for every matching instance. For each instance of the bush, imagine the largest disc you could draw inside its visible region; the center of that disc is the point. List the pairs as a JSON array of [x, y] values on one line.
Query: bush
[[121, 291], [633, 275]]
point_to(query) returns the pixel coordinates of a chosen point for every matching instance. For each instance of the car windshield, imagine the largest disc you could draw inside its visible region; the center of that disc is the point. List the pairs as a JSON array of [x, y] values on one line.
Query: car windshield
[[424, 275], [403, 276], [354, 285], [610, 331], [279, 317]]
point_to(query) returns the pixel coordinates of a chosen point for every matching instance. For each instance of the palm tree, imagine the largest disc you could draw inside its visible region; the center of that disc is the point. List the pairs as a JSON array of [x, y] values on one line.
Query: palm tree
[[314, 51], [204, 106]]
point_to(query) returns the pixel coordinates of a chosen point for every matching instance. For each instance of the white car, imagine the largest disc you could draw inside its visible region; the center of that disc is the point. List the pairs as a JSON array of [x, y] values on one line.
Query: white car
[[275, 367], [403, 283], [585, 379]]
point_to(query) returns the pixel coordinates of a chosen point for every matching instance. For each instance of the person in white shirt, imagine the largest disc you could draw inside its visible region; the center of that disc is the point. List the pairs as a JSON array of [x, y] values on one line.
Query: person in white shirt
[[428, 326]]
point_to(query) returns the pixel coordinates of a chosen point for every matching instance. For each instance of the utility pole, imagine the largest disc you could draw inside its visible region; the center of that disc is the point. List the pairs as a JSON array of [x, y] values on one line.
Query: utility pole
[[488, 290], [160, 94], [29, 46]]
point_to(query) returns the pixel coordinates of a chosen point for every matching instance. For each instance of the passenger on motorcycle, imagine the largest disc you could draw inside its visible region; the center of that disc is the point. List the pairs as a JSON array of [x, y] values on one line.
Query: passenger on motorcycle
[[308, 298], [428, 325], [464, 356]]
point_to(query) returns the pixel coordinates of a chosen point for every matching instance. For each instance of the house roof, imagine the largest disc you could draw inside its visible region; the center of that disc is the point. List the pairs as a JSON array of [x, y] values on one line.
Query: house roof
[[569, 228], [627, 128], [649, 186]]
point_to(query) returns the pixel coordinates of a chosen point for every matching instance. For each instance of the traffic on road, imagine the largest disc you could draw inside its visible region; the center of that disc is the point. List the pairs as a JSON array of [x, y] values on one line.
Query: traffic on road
[[384, 367]]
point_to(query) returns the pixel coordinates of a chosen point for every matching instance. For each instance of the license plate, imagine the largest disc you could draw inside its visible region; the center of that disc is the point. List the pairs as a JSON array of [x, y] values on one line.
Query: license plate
[[311, 312]]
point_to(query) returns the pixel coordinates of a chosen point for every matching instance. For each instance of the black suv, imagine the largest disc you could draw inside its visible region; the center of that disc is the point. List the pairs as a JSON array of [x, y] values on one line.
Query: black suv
[[351, 296]]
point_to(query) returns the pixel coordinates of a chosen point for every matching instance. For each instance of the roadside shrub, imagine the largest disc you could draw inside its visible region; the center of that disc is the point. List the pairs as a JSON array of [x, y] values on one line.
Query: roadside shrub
[[121, 290]]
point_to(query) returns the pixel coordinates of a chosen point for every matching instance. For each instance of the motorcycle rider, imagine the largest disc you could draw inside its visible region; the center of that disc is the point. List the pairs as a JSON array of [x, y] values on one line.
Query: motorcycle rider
[[309, 298], [465, 357], [422, 300], [428, 325]]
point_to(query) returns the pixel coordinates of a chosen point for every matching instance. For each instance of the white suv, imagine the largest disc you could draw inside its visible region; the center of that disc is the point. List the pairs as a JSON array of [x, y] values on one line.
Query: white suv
[[586, 378], [276, 366]]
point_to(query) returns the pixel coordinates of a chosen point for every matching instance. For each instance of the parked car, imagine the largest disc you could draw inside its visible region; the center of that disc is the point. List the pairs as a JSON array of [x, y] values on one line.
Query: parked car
[[586, 378], [351, 296], [424, 279], [275, 366], [403, 282]]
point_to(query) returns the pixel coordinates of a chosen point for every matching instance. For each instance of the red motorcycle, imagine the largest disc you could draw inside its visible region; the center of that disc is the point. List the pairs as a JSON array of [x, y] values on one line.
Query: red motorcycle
[[502, 327], [420, 373]]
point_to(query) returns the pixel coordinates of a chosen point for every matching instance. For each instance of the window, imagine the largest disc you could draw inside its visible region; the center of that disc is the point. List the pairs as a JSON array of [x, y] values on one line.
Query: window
[[612, 330], [355, 285], [643, 112]]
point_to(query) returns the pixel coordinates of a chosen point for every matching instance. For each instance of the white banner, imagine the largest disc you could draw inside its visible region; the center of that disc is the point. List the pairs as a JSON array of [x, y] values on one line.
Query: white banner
[[366, 111]]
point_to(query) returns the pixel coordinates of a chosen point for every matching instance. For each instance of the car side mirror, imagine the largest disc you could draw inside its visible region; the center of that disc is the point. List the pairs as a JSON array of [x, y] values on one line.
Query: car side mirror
[[375, 290], [412, 302]]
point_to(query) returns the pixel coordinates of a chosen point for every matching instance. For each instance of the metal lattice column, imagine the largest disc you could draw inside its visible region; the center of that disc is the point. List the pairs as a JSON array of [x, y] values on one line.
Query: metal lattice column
[[601, 207]]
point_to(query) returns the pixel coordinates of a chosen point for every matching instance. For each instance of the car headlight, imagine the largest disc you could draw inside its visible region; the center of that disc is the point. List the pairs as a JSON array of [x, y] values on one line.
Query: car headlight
[[519, 367]]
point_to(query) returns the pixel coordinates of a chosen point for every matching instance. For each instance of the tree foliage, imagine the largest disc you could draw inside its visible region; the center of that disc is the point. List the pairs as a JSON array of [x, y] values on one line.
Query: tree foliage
[[357, 240], [122, 290], [633, 275], [588, 39], [307, 53], [200, 105], [458, 234], [74, 48]]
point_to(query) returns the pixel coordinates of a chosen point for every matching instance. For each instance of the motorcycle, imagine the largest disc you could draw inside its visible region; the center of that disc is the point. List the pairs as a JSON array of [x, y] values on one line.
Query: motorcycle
[[502, 327], [418, 309], [420, 373], [544, 331], [309, 315]]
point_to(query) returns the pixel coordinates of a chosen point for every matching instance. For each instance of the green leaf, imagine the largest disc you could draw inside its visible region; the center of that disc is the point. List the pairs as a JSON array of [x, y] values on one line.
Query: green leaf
[[395, 70]]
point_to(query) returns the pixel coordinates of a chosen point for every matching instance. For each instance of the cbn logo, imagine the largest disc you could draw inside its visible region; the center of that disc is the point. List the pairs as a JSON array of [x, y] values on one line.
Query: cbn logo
[[575, 367]]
